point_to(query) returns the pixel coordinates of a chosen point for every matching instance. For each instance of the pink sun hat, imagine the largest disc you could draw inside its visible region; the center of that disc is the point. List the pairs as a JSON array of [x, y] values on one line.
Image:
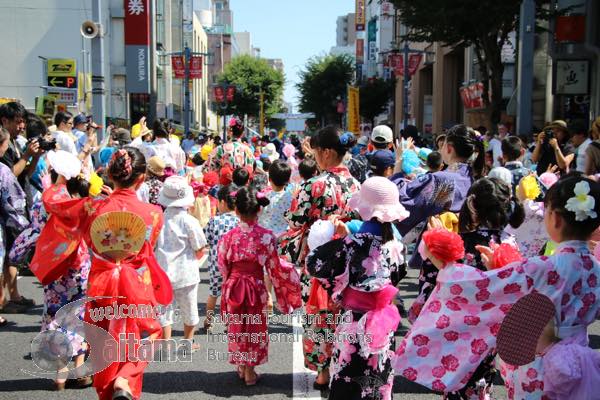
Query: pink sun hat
[[378, 198]]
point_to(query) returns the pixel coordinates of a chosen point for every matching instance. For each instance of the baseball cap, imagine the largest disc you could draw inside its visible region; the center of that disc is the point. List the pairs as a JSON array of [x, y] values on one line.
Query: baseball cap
[[382, 159], [79, 119], [382, 134], [363, 141]]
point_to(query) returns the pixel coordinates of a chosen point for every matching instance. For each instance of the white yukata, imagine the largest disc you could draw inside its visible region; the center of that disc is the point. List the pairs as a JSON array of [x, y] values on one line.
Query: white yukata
[[181, 237]]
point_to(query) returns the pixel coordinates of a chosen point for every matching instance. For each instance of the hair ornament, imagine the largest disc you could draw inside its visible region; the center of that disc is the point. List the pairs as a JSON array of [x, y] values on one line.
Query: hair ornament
[[345, 138], [444, 245], [122, 153], [582, 204], [530, 187]]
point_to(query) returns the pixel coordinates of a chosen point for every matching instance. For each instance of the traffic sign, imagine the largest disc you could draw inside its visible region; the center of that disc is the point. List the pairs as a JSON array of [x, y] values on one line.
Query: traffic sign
[[63, 67], [62, 81]]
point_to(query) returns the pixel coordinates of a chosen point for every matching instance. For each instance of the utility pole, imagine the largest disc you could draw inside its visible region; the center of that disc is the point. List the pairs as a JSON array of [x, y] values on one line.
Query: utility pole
[[525, 67], [187, 98], [405, 79], [98, 92]]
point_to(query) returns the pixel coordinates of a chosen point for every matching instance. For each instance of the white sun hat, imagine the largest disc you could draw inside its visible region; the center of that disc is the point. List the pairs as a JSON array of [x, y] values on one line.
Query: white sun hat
[[64, 163]]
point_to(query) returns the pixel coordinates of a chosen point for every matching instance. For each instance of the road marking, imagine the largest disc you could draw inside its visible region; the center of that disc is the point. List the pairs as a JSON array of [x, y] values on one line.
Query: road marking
[[303, 377]]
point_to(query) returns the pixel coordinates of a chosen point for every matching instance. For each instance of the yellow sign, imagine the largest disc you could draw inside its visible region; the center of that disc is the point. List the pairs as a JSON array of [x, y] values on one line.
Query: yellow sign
[[360, 15], [353, 110], [63, 67]]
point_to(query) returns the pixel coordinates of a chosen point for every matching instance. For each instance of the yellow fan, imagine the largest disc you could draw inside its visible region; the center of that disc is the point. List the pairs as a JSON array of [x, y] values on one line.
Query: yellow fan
[[118, 235]]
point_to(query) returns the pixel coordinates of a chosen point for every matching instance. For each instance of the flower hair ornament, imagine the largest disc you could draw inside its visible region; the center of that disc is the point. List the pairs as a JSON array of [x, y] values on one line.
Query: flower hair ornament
[[235, 121], [530, 187], [122, 153], [345, 138], [446, 246], [582, 204]]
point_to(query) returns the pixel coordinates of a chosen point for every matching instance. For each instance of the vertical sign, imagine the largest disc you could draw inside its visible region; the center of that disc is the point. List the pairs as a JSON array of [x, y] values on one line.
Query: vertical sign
[[397, 64], [230, 93], [360, 17], [178, 67], [219, 94], [196, 67], [360, 51], [137, 46], [353, 110], [414, 60]]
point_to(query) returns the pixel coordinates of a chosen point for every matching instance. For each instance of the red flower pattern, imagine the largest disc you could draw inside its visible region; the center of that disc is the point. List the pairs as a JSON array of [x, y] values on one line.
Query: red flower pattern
[[420, 340], [443, 322]]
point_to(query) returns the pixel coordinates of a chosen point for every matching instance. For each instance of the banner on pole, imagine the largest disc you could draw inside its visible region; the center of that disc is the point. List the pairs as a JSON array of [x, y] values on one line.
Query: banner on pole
[[196, 67], [230, 93], [178, 67], [472, 96], [219, 94], [396, 62], [414, 60], [353, 110]]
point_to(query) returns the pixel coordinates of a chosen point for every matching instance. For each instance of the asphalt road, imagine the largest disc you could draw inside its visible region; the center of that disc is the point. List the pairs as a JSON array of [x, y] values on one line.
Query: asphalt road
[[283, 377]]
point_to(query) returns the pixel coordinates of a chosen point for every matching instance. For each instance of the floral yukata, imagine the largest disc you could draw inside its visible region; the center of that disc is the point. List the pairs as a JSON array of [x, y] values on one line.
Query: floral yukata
[[137, 281], [233, 154], [244, 252], [429, 195], [69, 287], [532, 235], [318, 198], [360, 273], [458, 325]]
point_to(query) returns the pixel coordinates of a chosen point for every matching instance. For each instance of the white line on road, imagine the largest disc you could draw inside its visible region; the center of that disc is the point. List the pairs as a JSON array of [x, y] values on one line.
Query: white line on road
[[303, 377]]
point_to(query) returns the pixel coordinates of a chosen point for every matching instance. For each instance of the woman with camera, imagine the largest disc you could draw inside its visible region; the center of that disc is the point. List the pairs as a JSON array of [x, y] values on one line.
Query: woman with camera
[[553, 148]]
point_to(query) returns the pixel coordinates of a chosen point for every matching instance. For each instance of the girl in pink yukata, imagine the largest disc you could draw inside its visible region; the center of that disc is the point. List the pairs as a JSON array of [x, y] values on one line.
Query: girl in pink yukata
[[243, 253], [458, 325]]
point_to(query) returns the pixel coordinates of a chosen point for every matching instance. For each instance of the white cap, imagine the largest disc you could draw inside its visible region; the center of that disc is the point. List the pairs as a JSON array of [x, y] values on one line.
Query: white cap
[[382, 134]]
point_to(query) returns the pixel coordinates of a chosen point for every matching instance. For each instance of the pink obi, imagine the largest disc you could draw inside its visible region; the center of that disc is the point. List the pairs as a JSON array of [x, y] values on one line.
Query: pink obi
[[243, 281], [381, 316]]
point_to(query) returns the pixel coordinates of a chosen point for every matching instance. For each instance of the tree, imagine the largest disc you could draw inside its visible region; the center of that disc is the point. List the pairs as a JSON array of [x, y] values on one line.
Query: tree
[[483, 24], [375, 96], [250, 75], [323, 80]]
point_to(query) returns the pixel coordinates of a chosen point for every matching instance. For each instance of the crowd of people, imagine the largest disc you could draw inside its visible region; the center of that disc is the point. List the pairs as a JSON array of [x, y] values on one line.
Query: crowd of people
[[327, 224]]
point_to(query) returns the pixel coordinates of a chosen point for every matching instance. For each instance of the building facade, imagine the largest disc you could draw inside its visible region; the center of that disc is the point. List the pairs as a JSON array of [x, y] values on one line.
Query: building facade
[[36, 30]]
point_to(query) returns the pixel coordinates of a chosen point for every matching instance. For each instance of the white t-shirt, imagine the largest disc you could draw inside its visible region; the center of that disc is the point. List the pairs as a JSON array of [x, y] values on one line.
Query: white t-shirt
[[496, 149], [170, 152], [581, 158]]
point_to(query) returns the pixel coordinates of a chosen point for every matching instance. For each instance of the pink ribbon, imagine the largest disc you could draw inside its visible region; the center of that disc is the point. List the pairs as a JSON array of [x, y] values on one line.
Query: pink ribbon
[[382, 317]]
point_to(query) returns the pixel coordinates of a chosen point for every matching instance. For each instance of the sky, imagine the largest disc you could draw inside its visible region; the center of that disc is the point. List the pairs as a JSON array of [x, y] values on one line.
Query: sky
[[293, 30]]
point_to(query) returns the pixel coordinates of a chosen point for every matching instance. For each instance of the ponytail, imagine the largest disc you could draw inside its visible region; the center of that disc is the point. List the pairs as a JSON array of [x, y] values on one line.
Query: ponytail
[[469, 147], [478, 164], [387, 232], [517, 214]]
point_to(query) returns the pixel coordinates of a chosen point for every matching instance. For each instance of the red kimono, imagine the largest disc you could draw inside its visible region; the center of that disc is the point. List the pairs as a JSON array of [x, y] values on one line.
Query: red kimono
[[137, 281]]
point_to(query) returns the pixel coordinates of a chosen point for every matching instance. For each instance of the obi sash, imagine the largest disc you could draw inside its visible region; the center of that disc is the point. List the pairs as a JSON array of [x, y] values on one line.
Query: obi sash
[[380, 318], [243, 287], [123, 279]]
